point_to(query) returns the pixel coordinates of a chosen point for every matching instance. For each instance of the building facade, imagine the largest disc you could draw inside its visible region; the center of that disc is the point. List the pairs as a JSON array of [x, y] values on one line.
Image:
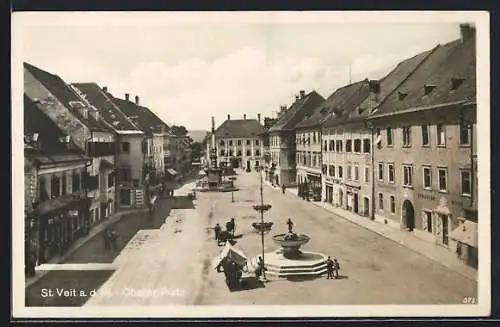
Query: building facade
[[282, 138], [240, 143], [55, 196], [425, 155], [82, 123]]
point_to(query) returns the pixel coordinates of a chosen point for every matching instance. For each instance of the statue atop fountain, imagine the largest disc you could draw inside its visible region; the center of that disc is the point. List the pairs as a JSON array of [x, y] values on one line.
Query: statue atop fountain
[[291, 242]]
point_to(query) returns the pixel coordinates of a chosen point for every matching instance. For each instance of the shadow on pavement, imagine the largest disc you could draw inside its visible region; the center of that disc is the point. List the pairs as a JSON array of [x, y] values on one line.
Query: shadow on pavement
[[248, 283], [304, 278]]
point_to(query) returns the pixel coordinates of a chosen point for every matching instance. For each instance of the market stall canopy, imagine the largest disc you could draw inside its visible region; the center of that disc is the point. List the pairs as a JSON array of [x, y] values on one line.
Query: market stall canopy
[[466, 233], [232, 253]]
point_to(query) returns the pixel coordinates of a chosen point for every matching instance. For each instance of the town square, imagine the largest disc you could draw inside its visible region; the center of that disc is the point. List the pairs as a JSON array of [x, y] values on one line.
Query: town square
[[241, 168]]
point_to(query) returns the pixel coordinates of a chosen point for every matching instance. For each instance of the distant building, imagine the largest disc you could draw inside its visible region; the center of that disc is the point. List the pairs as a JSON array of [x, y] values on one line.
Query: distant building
[[239, 143], [129, 158], [282, 138], [155, 130]]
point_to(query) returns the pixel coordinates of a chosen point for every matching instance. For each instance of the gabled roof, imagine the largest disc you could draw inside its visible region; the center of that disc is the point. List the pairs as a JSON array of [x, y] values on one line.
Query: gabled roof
[[50, 149], [240, 128], [335, 102], [357, 108], [107, 109], [297, 111], [142, 117], [452, 60], [65, 94]]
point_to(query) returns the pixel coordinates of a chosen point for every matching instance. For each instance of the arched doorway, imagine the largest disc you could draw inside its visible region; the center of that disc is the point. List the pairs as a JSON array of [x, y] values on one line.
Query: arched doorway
[[408, 215]]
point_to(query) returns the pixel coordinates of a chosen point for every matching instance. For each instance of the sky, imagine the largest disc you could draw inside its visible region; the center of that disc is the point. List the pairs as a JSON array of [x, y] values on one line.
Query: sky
[[187, 73]]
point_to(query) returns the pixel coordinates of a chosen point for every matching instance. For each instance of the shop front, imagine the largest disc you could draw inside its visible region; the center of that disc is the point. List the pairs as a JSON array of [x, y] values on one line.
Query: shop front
[[59, 222], [314, 186], [352, 199]]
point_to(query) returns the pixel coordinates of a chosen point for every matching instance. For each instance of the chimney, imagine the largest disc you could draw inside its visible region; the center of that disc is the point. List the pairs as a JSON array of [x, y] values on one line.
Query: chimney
[[467, 31], [258, 118], [137, 100], [228, 117], [127, 96], [244, 117], [105, 89], [297, 97], [302, 94]]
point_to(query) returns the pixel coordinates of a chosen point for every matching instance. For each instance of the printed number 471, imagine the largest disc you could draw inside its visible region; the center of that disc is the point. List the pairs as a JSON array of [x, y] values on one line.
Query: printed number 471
[[469, 300]]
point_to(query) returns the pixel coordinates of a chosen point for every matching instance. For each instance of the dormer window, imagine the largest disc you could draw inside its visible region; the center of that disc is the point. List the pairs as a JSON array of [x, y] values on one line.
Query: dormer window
[[85, 113], [428, 88], [402, 96], [456, 82]]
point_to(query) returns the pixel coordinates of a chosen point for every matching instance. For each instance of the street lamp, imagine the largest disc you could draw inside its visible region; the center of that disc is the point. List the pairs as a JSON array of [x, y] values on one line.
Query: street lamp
[[262, 227]]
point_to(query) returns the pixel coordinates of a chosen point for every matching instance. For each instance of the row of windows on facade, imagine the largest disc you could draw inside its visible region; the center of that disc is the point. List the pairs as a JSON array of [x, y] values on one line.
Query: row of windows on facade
[[407, 173], [125, 148], [239, 153], [425, 132], [58, 185], [312, 160], [238, 142], [304, 138]]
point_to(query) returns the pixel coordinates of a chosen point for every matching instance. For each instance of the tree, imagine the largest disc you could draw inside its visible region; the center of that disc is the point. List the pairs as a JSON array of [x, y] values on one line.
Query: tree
[[178, 130]]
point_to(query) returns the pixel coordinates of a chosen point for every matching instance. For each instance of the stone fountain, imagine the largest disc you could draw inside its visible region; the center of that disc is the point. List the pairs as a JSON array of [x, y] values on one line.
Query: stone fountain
[[289, 260], [291, 242]]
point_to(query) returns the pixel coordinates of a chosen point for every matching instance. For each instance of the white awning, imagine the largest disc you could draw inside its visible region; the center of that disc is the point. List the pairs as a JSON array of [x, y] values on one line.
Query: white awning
[[466, 233], [231, 253], [172, 171]]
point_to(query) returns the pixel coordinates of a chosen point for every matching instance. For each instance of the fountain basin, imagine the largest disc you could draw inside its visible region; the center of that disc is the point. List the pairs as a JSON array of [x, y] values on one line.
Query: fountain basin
[[290, 243]]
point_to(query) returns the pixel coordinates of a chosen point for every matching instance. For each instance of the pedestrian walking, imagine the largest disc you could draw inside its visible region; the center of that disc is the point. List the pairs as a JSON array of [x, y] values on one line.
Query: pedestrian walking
[[233, 225], [114, 237], [283, 188], [105, 237], [329, 268], [336, 268], [217, 230]]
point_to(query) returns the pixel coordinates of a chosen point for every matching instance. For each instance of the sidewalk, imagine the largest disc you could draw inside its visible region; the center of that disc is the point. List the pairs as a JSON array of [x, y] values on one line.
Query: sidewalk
[[410, 241], [95, 230]]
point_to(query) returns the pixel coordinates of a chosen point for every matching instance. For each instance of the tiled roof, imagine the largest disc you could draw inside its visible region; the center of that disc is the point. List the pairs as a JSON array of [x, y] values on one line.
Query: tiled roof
[[452, 60], [51, 149], [357, 107], [335, 102], [297, 111], [65, 94], [240, 128], [107, 109], [142, 117]]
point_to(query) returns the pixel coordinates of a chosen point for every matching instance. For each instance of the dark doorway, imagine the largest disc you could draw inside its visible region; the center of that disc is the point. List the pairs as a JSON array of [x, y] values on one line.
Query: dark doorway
[[356, 204], [341, 198], [366, 207], [444, 218], [234, 163], [125, 197], [248, 165], [276, 180], [409, 215]]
